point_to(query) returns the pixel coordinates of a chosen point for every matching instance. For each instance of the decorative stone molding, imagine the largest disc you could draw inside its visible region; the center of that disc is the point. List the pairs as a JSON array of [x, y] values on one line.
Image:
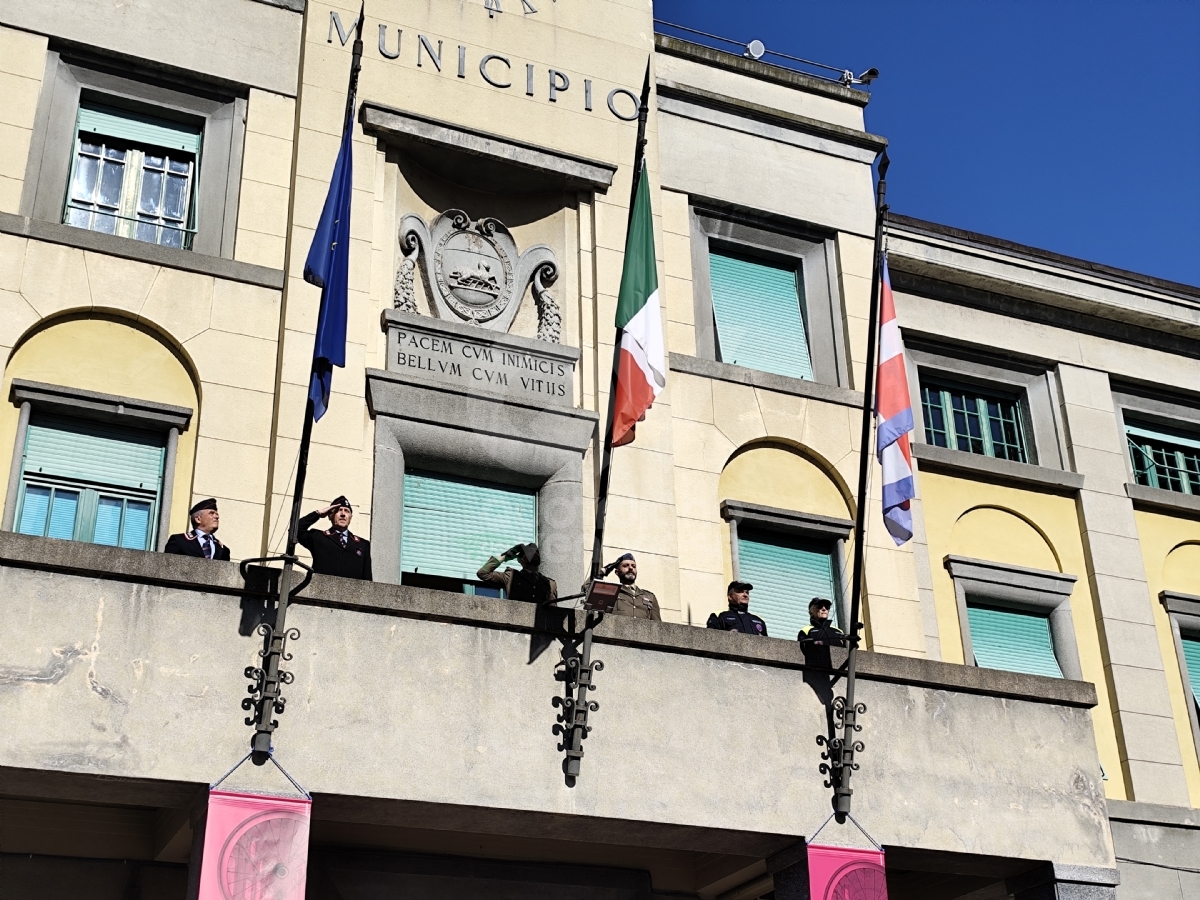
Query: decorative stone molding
[[473, 273]]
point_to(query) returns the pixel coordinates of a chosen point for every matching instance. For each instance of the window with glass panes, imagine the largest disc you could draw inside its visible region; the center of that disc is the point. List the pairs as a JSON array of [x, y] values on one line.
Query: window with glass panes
[[1164, 458], [965, 419], [90, 481], [134, 176]]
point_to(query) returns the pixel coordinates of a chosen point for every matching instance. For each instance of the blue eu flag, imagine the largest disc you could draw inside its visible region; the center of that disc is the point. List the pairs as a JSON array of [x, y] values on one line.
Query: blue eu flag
[[328, 267]]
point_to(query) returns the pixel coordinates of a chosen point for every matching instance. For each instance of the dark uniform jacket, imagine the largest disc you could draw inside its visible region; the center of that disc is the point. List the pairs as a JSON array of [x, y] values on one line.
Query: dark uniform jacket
[[187, 544], [825, 634], [633, 601], [330, 557], [736, 620], [518, 584]]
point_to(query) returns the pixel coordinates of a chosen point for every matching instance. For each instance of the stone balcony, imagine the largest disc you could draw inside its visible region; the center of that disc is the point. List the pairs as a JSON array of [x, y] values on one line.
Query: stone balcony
[[121, 679]]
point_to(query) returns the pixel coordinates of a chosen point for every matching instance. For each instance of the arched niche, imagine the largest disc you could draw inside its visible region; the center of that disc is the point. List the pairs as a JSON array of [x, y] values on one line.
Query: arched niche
[[1181, 570], [114, 356], [1000, 535], [776, 474]]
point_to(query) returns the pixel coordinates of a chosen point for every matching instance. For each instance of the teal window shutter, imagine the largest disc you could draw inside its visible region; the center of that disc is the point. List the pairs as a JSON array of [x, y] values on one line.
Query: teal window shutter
[[451, 525], [130, 126], [1191, 658], [90, 481], [1012, 640], [760, 322], [787, 572]]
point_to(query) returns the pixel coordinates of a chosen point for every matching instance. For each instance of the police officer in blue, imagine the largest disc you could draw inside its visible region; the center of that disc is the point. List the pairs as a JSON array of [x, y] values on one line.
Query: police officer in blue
[[738, 617], [336, 551], [200, 540]]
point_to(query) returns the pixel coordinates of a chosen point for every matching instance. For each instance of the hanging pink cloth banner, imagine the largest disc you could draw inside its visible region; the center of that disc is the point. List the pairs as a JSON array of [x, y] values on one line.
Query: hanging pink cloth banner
[[846, 873], [255, 847]]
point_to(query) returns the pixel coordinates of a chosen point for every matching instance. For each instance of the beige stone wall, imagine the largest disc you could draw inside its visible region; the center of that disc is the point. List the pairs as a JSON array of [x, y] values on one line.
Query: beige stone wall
[[263, 206], [22, 64], [225, 333]]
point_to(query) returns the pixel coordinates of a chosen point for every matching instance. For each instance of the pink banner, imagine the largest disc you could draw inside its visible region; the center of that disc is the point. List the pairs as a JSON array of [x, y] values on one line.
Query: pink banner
[[255, 847], [846, 873]]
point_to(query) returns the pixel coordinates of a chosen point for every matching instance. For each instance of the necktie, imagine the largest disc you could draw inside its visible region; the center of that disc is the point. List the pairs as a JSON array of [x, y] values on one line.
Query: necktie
[[206, 543], [345, 538]]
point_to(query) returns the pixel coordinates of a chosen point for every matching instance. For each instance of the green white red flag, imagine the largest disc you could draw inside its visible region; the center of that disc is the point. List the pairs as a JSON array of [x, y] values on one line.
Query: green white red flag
[[641, 373]]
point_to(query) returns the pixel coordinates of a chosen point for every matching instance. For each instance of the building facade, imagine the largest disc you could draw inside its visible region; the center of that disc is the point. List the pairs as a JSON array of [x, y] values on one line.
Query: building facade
[[1033, 659]]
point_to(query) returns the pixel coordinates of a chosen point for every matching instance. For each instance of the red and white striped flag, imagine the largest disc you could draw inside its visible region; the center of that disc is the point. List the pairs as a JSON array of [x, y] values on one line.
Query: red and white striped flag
[[641, 375], [894, 415]]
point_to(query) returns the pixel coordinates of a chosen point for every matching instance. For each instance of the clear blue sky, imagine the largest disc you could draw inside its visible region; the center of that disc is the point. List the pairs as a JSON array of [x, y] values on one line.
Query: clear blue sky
[[1072, 125]]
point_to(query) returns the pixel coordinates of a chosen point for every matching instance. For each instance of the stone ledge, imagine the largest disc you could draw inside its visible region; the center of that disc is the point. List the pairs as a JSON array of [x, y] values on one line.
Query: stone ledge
[[186, 573], [141, 251], [753, 68], [797, 387], [1020, 474], [791, 121], [1153, 814], [452, 151], [92, 404], [1161, 500]]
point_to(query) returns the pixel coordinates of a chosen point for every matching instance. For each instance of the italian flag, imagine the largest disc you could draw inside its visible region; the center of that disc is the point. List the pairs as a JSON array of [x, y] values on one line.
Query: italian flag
[[641, 372]]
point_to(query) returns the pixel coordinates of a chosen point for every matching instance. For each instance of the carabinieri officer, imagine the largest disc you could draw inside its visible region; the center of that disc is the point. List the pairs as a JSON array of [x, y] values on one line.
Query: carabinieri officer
[[200, 540], [336, 551]]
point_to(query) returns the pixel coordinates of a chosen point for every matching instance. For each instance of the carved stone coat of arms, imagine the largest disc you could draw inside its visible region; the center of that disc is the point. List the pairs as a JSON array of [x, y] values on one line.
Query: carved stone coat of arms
[[473, 273]]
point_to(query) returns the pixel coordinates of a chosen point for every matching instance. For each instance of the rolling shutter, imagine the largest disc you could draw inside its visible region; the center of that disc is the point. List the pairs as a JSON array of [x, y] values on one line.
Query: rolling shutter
[[786, 572], [93, 452], [1191, 657], [759, 320], [119, 123], [451, 525], [1013, 641]]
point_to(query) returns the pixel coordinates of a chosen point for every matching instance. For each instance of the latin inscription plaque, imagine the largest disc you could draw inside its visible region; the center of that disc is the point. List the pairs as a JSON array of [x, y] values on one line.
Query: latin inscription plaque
[[480, 360]]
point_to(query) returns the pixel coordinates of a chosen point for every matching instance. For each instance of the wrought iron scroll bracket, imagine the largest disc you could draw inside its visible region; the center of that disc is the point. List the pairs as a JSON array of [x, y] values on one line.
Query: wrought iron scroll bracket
[[267, 679], [578, 672], [839, 751]]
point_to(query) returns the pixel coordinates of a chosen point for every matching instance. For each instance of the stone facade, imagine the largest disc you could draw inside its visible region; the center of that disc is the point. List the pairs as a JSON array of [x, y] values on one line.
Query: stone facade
[[492, 146]]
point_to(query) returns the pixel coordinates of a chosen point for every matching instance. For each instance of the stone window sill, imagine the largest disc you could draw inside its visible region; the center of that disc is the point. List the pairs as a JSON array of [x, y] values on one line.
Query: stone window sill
[[797, 387], [1157, 498], [1020, 474], [140, 251]]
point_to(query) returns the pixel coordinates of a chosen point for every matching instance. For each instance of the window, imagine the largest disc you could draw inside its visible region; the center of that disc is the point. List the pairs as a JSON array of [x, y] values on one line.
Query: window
[[1014, 618], [974, 422], [90, 481], [758, 310], [134, 176], [1164, 458], [1012, 640], [450, 526], [787, 572]]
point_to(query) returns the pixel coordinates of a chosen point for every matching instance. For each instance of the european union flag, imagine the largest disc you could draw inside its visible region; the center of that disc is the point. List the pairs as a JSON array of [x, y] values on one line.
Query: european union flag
[[328, 267]]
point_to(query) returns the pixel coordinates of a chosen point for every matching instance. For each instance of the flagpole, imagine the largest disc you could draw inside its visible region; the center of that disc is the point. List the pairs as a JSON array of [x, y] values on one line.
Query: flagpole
[[847, 709], [272, 679], [606, 455]]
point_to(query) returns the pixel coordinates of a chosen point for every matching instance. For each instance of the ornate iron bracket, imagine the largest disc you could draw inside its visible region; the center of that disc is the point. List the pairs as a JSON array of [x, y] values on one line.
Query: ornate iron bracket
[[577, 671], [839, 752], [266, 699]]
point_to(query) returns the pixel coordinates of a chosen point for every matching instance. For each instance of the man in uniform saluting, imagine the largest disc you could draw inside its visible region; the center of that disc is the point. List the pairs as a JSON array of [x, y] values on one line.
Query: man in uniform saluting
[[336, 551], [526, 583], [631, 599], [199, 540]]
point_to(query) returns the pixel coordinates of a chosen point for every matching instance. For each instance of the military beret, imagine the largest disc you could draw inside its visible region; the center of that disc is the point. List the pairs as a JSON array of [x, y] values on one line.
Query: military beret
[[210, 503], [342, 501], [623, 557]]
